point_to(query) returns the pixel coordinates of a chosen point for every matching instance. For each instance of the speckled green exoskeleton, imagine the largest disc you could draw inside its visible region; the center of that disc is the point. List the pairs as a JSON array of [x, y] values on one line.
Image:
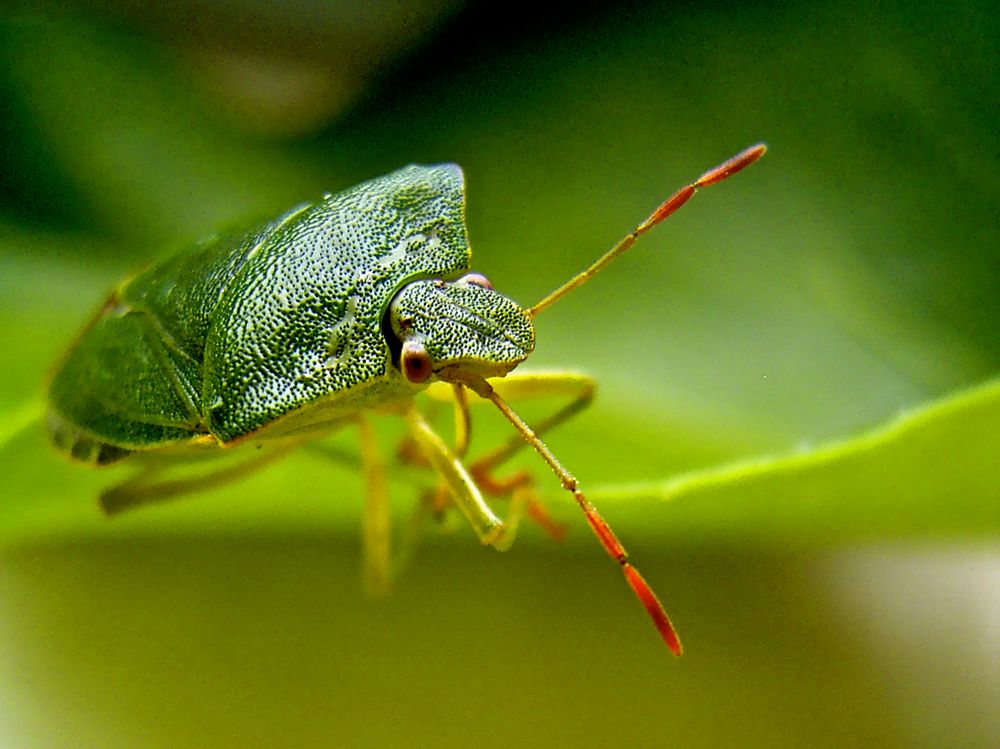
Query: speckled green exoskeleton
[[351, 304]]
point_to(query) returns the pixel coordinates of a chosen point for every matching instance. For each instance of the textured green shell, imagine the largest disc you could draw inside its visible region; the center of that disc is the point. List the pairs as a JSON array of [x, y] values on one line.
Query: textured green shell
[[244, 330]]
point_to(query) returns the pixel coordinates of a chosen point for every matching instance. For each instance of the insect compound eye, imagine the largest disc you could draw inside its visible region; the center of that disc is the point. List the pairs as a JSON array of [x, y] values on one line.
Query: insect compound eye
[[416, 362], [476, 279]]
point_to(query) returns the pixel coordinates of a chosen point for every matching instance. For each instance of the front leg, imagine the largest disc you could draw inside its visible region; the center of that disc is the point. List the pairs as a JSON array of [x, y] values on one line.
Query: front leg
[[577, 389], [492, 531]]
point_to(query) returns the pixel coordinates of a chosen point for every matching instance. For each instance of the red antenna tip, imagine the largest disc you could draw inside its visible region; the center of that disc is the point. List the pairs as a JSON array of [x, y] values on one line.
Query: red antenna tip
[[655, 609], [729, 167]]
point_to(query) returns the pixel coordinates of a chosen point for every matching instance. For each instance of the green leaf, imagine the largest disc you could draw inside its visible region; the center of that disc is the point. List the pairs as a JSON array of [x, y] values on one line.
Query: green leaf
[[932, 472]]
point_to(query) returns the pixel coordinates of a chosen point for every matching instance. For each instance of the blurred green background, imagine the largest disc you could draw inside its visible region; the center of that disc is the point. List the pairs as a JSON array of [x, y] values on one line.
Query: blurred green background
[[835, 307]]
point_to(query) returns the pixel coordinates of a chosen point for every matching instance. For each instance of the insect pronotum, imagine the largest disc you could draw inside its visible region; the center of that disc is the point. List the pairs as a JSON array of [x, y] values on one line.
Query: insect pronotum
[[303, 325]]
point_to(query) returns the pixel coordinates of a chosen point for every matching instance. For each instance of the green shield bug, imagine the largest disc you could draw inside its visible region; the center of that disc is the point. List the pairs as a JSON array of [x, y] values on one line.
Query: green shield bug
[[306, 323]]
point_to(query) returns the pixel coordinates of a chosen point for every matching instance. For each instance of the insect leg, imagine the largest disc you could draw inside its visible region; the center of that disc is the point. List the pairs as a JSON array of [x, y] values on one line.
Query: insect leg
[[143, 488], [577, 388], [376, 525], [463, 421], [439, 500], [411, 453], [491, 529]]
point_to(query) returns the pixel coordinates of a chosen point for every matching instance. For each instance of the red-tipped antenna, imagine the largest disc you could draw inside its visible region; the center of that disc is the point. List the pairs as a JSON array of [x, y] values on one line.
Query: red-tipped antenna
[[737, 163], [601, 529]]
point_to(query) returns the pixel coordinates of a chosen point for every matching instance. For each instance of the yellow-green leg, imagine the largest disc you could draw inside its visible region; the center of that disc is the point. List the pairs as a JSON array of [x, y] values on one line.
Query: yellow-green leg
[[465, 485], [577, 388], [376, 526], [492, 531], [144, 488]]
